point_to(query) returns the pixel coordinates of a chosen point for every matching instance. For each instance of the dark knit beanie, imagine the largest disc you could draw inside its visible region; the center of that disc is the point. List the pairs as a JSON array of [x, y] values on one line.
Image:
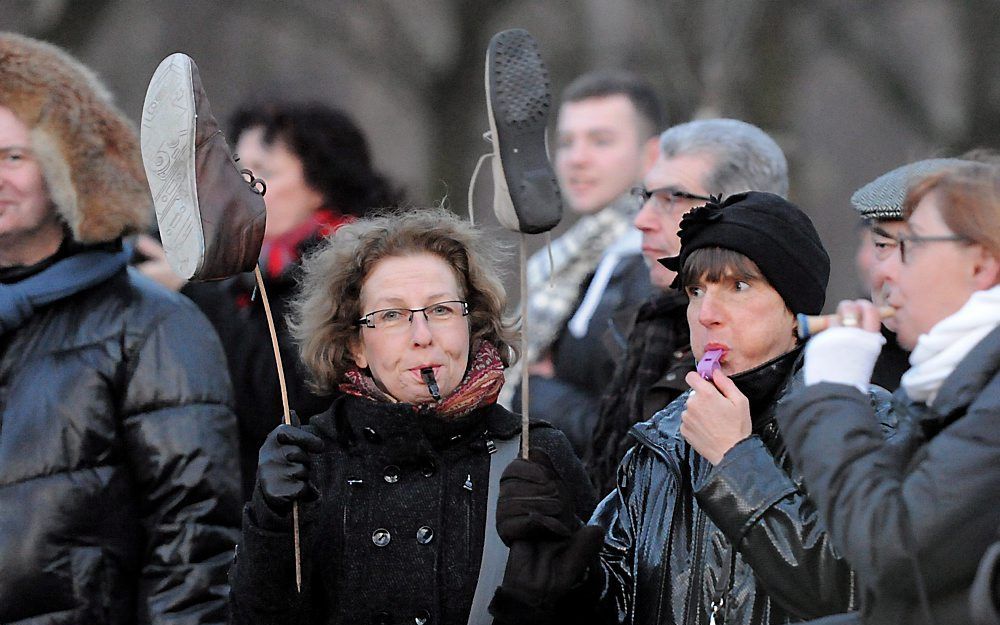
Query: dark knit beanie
[[773, 233]]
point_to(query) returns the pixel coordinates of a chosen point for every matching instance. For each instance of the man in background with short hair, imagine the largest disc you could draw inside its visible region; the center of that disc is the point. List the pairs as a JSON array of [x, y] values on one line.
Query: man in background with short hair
[[606, 139]]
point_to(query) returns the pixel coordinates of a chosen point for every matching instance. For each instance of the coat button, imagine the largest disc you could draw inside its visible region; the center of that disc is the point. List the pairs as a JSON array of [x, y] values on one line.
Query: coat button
[[371, 435], [429, 468], [671, 376], [381, 618], [678, 355], [381, 537], [422, 617], [425, 535], [391, 474]]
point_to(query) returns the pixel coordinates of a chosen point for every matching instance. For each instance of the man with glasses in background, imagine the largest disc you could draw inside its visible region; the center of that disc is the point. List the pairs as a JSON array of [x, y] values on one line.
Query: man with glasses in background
[[695, 160]]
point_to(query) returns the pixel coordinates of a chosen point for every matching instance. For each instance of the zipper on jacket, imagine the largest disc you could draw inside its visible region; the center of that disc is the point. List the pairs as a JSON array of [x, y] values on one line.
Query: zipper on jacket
[[468, 519], [694, 580], [718, 611]]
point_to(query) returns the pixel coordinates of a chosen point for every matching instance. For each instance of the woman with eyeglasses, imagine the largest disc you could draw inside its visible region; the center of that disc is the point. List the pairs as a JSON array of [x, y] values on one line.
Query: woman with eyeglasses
[[914, 515], [396, 482]]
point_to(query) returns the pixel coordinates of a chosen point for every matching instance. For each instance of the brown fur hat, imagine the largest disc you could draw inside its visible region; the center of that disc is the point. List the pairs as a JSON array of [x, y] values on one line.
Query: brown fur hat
[[87, 148]]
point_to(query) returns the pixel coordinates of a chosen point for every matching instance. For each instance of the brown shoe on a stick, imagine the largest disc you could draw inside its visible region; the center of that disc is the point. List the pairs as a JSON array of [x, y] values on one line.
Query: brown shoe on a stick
[[211, 218]]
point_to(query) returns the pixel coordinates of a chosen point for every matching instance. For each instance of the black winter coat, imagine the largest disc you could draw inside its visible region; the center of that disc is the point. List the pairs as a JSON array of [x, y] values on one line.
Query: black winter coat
[[676, 525], [415, 483], [119, 487], [650, 375], [921, 510]]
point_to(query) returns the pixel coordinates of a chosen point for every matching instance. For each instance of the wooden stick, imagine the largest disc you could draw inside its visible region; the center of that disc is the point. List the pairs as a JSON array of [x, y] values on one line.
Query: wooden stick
[[524, 343], [287, 417], [808, 325]]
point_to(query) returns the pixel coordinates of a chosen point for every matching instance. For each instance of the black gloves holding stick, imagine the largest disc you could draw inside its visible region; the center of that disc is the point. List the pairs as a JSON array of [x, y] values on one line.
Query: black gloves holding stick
[[551, 551], [283, 474]]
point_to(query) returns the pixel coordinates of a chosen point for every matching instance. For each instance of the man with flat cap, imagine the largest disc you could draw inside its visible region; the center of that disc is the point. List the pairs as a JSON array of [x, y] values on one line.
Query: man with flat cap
[[880, 205]]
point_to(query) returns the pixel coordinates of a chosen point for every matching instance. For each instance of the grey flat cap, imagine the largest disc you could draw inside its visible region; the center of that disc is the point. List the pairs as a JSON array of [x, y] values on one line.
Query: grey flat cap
[[882, 198]]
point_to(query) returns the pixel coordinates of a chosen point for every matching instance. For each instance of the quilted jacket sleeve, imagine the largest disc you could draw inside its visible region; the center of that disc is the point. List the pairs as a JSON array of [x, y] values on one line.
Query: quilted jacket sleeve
[[180, 440], [890, 511]]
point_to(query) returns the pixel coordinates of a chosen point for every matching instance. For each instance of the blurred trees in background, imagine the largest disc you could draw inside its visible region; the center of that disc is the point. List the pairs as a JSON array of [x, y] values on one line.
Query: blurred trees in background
[[850, 88]]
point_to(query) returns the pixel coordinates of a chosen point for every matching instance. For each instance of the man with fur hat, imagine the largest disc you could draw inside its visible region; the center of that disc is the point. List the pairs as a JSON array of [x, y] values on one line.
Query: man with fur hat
[[119, 484], [709, 522]]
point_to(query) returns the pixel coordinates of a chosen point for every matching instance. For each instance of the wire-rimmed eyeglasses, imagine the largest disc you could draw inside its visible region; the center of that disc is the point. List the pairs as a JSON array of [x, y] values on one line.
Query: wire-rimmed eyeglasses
[[436, 314]]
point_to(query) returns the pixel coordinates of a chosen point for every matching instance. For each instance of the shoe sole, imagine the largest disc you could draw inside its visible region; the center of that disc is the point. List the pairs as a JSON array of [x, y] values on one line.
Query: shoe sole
[[166, 136], [518, 103]]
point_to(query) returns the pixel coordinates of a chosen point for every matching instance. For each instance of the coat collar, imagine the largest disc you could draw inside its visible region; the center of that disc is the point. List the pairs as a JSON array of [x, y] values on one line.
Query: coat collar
[[964, 384]]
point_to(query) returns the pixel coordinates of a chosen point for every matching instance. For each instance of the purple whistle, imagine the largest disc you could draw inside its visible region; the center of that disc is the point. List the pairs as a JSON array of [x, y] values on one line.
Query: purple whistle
[[709, 363]]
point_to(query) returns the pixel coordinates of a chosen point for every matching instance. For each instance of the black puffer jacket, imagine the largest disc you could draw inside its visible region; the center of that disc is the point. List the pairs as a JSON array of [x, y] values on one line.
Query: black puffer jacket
[[674, 520], [920, 511], [386, 468], [118, 478]]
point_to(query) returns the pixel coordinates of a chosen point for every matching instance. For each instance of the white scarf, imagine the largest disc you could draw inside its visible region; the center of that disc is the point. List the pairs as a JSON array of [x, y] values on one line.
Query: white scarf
[[950, 340]]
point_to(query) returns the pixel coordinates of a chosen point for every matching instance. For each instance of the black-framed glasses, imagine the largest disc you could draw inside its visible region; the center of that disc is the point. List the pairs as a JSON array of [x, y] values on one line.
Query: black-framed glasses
[[438, 314], [885, 244], [667, 197]]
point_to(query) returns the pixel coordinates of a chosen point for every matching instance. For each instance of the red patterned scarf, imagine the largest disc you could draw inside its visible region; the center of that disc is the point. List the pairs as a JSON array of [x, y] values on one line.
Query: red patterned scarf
[[480, 386]]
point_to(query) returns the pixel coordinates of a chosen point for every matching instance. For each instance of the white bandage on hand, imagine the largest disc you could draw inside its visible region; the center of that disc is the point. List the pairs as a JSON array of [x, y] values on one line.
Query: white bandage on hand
[[844, 356]]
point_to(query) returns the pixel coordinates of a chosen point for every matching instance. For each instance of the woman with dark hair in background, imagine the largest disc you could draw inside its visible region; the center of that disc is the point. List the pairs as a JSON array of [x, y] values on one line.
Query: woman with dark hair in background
[[318, 170]]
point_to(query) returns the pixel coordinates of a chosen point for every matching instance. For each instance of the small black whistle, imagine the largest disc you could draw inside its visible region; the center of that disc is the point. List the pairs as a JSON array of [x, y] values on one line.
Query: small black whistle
[[432, 385]]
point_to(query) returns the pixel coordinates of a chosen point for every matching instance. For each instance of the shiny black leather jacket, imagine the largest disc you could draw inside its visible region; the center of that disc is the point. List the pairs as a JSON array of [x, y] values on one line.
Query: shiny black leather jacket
[[119, 483], [677, 527]]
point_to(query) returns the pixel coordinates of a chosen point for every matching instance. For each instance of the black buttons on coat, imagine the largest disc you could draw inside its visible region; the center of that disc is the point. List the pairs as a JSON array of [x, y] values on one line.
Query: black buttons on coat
[[429, 468], [371, 435], [422, 617], [391, 474], [381, 537], [425, 534]]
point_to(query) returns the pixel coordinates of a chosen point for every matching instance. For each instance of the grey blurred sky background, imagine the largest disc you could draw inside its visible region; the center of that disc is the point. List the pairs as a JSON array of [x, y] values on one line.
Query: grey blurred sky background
[[849, 88]]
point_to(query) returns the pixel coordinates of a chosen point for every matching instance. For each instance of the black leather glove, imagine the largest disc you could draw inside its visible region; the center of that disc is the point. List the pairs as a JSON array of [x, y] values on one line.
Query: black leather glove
[[542, 572], [283, 471], [551, 551], [534, 503]]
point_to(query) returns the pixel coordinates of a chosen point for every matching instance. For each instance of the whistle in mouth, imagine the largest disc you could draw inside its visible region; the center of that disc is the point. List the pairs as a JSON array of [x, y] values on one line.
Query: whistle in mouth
[[432, 385], [810, 325], [709, 363]]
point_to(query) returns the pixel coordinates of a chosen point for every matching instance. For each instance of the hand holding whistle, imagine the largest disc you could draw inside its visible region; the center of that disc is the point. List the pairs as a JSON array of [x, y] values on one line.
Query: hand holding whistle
[[808, 325]]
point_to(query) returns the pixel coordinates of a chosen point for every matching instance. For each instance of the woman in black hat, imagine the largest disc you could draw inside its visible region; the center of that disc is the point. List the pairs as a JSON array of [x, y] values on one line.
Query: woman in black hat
[[709, 521]]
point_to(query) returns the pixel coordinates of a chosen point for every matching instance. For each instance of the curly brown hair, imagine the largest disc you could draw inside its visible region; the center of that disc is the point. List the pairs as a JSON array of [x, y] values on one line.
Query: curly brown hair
[[323, 314]]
